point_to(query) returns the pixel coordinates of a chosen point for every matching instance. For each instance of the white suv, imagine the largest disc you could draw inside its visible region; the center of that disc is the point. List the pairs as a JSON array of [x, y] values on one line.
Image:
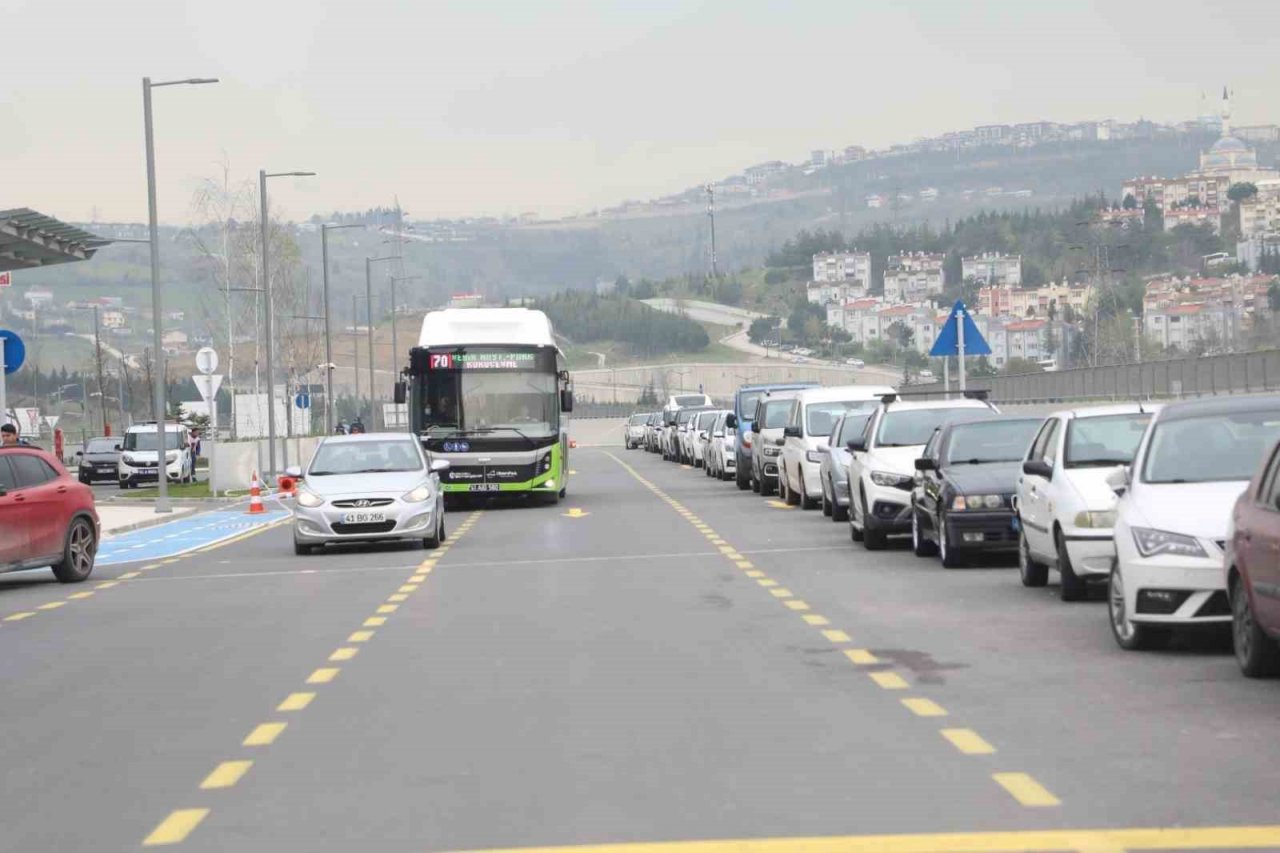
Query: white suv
[[806, 433], [1066, 510], [139, 456], [882, 463]]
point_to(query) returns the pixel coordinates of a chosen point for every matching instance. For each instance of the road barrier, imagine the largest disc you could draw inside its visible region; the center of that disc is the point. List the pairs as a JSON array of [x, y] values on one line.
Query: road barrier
[[1193, 376]]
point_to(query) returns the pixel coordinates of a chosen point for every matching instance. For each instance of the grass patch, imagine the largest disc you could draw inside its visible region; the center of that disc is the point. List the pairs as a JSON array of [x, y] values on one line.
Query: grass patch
[[176, 490]]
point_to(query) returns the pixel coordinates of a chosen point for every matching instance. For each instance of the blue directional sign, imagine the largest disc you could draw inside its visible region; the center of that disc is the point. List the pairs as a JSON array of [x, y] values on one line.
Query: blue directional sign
[[948, 342], [15, 352], [302, 401]]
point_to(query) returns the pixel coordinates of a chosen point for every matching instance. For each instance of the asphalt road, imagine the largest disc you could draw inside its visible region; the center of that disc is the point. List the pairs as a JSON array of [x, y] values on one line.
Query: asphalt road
[[659, 658]]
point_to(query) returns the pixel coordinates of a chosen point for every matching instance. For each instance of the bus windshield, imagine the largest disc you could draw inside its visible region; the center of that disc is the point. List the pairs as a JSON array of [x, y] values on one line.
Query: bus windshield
[[521, 401]]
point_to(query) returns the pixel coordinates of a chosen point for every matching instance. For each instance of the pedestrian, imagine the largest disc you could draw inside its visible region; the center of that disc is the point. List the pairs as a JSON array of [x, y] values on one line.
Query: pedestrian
[[9, 437], [357, 427]]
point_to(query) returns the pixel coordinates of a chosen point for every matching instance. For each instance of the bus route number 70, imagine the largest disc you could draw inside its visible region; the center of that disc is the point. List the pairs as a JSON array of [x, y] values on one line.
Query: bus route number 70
[[441, 361]]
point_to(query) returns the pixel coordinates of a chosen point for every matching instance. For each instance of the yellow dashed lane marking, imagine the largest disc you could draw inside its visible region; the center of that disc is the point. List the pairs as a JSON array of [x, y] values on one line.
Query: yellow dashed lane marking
[[796, 604], [1029, 792], [175, 828], [323, 675], [80, 596], [345, 653], [397, 598], [129, 576], [107, 585], [924, 707], [374, 621], [264, 734], [780, 592], [968, 741], [52, 605], [836, 636], [815, 619], [860, 656], [409, 587], [387, 608], [225, 775], [767, 582], [755, 573], [296, 702], [360, 637], [18, 617], [888, 680], [743, 564]]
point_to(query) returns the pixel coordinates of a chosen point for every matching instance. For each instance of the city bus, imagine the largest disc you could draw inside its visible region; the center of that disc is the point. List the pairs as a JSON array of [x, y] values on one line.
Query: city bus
[[487, 389]]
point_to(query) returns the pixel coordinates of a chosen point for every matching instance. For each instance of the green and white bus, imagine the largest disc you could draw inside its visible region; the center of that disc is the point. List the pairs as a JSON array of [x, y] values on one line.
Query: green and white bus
[[488, 390]]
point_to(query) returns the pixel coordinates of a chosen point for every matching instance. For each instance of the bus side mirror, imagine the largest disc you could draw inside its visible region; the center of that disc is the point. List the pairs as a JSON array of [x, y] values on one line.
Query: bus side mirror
[[566, 400], [401, 393], [731, 421]]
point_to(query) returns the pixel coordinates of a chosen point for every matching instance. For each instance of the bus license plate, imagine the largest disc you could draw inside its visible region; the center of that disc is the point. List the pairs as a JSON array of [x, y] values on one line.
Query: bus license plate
[[483, 487], [364, 517]]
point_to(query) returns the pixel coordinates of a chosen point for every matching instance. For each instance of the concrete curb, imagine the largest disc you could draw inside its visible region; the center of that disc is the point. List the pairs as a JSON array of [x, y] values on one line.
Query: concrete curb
[[150, 522]]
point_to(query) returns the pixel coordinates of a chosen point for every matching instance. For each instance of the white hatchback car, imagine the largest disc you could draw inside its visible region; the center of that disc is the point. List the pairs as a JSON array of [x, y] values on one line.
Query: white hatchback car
[[805, 436], [1066, 510], [1173, 519], [882, 463]]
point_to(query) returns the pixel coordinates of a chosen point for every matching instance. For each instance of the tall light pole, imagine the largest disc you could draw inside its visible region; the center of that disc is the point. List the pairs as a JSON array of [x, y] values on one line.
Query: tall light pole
[[157, 300], [328, 329], [266, 295], [711, 213], [395, 341], [368, 295]]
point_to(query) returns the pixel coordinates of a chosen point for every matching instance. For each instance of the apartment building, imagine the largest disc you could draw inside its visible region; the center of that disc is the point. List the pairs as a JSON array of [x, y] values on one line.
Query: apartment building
[[850, 267], [1036, 302], [993, 268], [1260, 214], [914, 277]]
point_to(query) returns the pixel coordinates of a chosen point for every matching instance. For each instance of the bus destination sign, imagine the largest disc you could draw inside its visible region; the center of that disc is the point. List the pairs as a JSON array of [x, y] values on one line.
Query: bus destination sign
[[481, 360]]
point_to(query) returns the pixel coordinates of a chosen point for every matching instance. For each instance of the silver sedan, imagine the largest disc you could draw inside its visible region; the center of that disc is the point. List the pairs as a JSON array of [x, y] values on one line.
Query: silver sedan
[[834, 470], [367, 488]]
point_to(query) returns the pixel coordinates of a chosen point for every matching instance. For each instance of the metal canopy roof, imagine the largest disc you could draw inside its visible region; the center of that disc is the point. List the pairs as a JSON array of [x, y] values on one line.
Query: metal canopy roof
[[29, 239]]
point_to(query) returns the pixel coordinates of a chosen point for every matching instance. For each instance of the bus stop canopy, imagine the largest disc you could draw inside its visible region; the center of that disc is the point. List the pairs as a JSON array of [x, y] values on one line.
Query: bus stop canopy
[[29, 239]]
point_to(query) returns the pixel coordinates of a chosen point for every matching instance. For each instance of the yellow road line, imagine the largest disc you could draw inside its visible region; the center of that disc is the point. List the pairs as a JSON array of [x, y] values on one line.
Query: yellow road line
[[225, 775], [52, 605], [781, 592], [836, 636], [1029, 792], [796, 604], [397, 598], [1030, 841], [815, 619], [755, 573], [387, 608], [264, 734], [360, 637], [175, 828], [767, 582], [296, 702], [323, 675], [409, 587], [924, 707], [18, 617], [374, 621], [345, 653], [128, 576], [80, 596], [888, 680], [107, 585], [968, 741], [743, 564], [860, 656]]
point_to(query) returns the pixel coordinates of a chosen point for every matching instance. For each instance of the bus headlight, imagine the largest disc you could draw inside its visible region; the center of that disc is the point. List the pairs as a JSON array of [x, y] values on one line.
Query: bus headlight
[[544, 464]]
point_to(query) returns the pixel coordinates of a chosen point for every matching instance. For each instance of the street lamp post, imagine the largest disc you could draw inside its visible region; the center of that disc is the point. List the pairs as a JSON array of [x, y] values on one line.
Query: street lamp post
[[368, 295], [395, 341], [266, 292], [328, 330], [157, 301]]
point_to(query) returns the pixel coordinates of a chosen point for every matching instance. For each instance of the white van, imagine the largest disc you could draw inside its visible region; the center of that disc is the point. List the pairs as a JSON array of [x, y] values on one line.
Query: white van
[[806, 432], [139, 455]]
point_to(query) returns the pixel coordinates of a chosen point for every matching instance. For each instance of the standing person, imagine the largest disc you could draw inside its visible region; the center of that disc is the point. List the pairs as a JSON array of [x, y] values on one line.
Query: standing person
[[9, 436], [357, 426]]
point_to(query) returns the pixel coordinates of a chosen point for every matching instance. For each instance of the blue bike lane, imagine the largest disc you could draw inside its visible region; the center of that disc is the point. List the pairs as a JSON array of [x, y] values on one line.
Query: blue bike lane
[[183, 535]]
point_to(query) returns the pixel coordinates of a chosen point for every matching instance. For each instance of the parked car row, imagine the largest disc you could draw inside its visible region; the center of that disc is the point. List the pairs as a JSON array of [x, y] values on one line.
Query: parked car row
[[1175, 509]]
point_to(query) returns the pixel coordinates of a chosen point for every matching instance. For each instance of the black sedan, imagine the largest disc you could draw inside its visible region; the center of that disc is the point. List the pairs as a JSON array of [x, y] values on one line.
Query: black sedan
[[962, 502], [99, 459]]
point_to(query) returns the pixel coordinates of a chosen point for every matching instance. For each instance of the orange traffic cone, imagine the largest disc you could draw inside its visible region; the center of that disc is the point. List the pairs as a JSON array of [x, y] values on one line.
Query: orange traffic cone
[[255, 496]]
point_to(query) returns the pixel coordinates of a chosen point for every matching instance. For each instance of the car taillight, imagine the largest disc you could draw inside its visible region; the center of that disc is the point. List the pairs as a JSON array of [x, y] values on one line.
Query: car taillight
[[746, 439]]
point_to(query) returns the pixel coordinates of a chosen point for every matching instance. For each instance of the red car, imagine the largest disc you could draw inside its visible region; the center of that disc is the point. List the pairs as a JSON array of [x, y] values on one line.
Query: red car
[[47, 518], [1253, 571]]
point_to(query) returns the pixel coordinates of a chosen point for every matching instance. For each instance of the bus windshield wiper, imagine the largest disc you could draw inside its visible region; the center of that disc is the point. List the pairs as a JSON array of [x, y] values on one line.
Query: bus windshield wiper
[[518, 432], [430, 427]]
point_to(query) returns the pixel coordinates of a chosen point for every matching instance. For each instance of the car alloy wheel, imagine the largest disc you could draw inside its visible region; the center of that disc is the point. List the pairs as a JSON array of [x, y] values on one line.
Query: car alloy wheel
[[950, 557], [1033, 573], [78, 553], [1129, 635], [920, 546], [1257, 654]]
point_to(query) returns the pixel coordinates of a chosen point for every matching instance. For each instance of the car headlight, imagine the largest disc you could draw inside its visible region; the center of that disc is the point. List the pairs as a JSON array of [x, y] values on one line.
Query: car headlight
[[976, 502], [1105, 519], [171, 456], [127, 459], [418, 495], [772, 451], [309, 499], [814, 456], [892, 480], [1152, 543]]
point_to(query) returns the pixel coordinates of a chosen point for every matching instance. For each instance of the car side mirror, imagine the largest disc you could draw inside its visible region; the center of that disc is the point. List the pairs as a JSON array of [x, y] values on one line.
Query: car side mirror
[[791, 432], [439, 466], [926, 464], [857, 445], [1037, 468], [566, 400], [401, 393], [1118, 480], [293, 471], [755, 426], [731, 422], [117, 447]]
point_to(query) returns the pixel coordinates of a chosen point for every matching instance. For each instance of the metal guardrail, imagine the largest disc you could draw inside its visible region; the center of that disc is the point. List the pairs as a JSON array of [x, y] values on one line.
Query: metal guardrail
[[1193, 376]]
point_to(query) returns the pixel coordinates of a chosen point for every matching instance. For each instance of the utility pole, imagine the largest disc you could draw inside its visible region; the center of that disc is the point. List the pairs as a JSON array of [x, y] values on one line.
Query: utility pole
[[355, 346], [102, 391], [711, 214]]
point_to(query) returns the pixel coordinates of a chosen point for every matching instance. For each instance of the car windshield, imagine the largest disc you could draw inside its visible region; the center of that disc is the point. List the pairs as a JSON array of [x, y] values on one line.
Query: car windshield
[[684, 416], [910, 427], [775, 414], [1104, 441], [854, 425], [365, 457], [707, 420], [747, 403], [991, 441], [150, 440], [636, 420], [690, 400], [1219, 447], [821, 417], [101, 445]]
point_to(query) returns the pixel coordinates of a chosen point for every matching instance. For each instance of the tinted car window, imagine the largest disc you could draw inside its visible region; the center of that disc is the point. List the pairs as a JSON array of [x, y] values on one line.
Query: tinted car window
[[991, 441], [1220, 447], [7, 480], [365, 457], [913, 426], [707, 420], [748, 403], [31, 470], [101, 445], [820, 416], [776, 413], [854, 425]]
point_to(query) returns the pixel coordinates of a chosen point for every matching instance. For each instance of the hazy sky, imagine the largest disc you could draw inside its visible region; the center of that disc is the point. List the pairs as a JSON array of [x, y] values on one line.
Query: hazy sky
[[484, 107]]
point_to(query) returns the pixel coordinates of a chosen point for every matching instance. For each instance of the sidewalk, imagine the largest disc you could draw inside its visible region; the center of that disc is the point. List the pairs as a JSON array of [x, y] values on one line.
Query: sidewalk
[[118, 518]]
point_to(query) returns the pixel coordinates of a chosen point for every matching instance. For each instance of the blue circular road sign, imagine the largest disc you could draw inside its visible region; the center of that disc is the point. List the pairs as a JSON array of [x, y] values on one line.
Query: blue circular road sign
[[302, 401], [15, 352]]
